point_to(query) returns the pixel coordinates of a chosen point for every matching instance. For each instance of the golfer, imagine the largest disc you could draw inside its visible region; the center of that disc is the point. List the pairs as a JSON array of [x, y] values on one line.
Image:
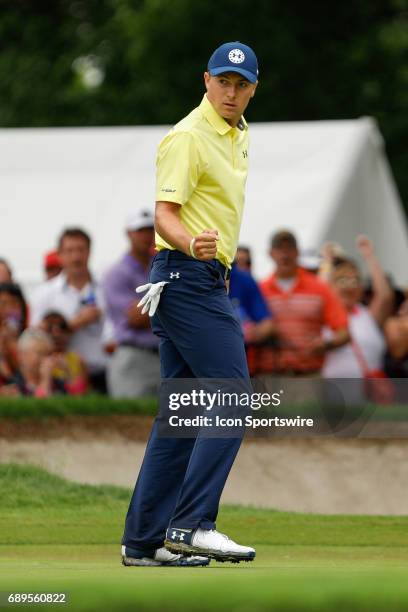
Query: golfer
[[201, 173]]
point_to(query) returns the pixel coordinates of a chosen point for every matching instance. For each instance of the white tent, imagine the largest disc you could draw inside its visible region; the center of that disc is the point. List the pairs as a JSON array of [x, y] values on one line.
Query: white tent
[[324, 180]]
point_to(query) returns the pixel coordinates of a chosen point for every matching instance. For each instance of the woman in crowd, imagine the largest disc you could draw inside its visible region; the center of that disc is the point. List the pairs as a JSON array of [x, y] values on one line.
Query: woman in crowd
[[13, 321], [365, 353]]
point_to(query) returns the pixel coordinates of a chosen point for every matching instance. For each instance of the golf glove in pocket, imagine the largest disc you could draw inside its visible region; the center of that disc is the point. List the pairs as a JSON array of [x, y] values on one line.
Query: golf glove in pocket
[[150, 301]]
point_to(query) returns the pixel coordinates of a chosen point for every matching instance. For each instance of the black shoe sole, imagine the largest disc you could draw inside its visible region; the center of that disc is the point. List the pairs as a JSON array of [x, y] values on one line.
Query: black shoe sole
[[189, 550], [130, 562]]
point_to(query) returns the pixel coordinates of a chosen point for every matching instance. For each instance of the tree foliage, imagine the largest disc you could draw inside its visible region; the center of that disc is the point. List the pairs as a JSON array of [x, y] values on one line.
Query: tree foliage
[[127, 62]]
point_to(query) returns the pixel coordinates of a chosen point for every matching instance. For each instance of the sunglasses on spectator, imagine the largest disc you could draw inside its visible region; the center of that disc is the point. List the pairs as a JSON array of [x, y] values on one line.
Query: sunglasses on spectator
[[347, 282], [62, 326]]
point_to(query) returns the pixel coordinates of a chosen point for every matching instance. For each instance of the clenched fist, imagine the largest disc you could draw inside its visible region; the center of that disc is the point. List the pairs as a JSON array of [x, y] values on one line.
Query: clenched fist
[[205, 245]]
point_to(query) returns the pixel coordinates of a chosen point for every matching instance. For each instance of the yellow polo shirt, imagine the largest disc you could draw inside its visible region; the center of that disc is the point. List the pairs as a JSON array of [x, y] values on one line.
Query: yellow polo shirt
[[202, 164]]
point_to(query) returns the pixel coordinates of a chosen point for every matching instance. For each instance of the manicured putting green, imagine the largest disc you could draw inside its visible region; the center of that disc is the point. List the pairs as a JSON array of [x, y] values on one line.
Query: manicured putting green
[[58, 536]]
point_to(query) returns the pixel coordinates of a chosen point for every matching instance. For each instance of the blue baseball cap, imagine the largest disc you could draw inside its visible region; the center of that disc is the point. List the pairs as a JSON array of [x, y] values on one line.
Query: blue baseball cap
[[234, 57]]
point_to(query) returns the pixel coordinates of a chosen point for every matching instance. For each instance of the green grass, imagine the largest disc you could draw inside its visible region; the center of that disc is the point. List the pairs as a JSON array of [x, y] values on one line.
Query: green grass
[[59, 536], [65, 405]]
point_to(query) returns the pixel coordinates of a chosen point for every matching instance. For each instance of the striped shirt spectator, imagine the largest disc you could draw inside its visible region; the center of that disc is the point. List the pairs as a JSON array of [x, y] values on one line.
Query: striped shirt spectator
[[302, 306]]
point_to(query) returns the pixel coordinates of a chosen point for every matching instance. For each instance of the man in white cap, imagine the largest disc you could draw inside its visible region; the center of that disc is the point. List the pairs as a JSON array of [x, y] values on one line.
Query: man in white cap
[[134, 369]]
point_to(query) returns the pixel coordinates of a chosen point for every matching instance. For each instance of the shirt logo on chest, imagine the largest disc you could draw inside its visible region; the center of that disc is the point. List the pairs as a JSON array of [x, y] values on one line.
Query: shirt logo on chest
[[174, 274]]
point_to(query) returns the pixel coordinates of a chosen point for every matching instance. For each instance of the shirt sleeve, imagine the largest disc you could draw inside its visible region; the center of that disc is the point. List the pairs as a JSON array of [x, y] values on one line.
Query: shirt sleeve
[[255, 304], [119, 294], [334, 313], [177, 168]]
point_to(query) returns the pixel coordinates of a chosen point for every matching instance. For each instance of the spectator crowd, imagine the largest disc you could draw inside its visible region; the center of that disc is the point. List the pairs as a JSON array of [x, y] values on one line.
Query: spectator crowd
[[314, 316]]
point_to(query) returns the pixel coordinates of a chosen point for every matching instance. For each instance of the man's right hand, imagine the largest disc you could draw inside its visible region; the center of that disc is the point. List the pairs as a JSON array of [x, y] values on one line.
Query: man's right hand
[[205, 245], [86, 316]]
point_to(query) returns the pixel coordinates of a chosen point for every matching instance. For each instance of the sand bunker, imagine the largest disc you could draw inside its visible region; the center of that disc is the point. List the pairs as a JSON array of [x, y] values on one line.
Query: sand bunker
[[325, 476]]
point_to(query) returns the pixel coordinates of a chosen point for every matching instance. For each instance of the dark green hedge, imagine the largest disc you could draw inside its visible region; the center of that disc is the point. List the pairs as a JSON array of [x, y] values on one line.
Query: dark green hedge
[[318, 60], [95, 405]]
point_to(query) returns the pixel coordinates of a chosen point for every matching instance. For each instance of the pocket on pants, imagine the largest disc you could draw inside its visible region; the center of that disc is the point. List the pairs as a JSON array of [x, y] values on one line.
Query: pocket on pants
[[197, 276]]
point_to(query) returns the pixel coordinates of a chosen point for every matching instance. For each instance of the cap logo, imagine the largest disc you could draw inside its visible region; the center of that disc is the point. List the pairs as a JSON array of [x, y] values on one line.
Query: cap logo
[[236, 56]]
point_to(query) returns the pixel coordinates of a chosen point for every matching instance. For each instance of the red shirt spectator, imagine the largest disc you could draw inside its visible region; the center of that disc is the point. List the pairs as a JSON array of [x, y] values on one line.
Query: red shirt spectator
[[302, 305], [299, 315]]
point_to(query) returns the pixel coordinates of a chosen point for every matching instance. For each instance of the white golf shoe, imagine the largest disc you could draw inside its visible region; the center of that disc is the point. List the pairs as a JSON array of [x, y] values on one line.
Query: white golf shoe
[[161, 557], [210, 543]]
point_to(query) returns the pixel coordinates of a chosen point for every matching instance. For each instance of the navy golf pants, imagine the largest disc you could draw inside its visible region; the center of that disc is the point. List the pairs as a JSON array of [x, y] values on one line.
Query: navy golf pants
[[181, 479]]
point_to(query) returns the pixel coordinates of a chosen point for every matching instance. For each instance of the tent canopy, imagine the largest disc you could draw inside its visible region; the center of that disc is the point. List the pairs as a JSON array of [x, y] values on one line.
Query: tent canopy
[[323, 180]]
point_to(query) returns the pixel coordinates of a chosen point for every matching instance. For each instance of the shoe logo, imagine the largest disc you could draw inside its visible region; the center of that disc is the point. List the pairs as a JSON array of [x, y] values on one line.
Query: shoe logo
[[174, 274], [176, 535]]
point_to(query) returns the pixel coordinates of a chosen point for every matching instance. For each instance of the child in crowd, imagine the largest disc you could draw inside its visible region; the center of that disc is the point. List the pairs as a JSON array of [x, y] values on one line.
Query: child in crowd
[[69, 367], [36, 363]]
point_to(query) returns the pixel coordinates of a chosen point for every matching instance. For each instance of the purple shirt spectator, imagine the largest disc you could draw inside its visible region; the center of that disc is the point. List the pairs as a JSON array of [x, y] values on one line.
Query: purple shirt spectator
[[134, 368], [119, 288]]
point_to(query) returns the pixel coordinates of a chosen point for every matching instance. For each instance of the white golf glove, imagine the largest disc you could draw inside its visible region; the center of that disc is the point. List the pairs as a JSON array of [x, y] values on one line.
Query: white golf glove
[[151, 300]]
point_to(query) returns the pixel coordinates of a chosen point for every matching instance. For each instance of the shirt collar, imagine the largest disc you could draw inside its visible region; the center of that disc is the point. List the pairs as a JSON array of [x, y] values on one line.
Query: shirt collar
[[62, 282], [218, 123], [299, 276], [59, 281]]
